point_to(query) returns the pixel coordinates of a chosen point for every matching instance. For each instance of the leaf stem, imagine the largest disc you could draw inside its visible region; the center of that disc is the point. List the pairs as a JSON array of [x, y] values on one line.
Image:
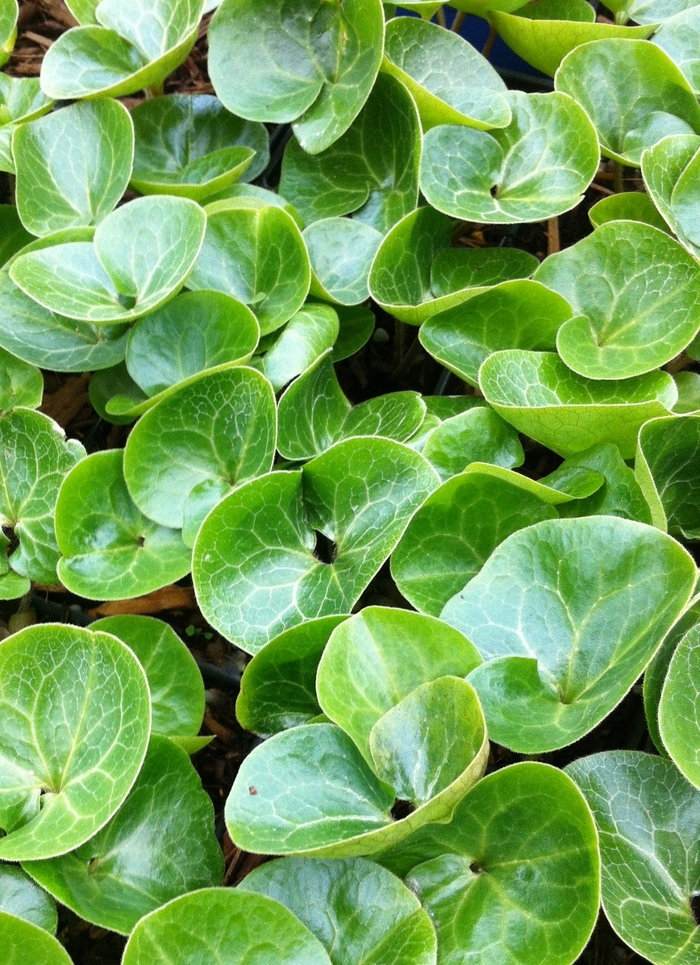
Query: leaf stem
[[618, 177], [490, 41], [458, 21], [441, 17], [155, 91], [553, 240]]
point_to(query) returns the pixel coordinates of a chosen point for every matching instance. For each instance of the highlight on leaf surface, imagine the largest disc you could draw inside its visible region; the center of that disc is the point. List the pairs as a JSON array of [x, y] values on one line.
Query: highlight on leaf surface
[[670, 169], [24, 898], [21, 100], [666, 467]]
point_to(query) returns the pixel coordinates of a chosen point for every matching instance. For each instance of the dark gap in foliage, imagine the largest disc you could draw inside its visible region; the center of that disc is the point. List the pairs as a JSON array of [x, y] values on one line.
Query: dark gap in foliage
[[325, 549], [476, 868], [695, 908], [401, 809]]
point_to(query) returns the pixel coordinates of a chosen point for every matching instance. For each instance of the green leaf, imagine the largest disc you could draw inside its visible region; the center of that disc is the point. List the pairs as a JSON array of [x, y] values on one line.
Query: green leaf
[[140, 257], [450, 81], [678, 37], [566, 412], [513, 879], [115, 385], [73, 165], [567, 614], [190, 145], [207, 436], [359, 911], [310, 333], [21, 100], [254, 252], [315, 65], [124, 50], [478, 435], [22, 897], [679, 714], [73, 737], [9, 11], [455, 531], [174, 680], [670, 170], [632, 91], [21, 384], [371, 171], [159, 844], [341, 251], [24, 940], [569, 481], [13, 236], [356, 325], [34, 459], [515, 314], [628, 206], [688, 385], [668, 457], [278, 687], [256, 568], [620, 494], [648, 819], [648, 11], [244, 190], [535, 168], [111, 551]]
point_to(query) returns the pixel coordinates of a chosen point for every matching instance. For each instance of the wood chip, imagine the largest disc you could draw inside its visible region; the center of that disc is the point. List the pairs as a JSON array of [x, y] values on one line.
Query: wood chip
[[169, 598], [64, 405]]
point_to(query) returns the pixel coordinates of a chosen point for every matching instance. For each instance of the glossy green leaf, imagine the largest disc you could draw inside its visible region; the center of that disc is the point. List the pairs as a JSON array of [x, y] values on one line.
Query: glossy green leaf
[[159, 844], [21, 100], [670, 173], [9, 12], [515, 314], [111, 551], [13, 235], [115, 385], [478, 435], [688, 385], [205, 438], [359, 911], [678, 37], [244, 190], [124, 50], [620, 494], [567, 614], [632, 91], [26, 942], [455, 531], [278, 686], [174, 680], [668, 457], [568, 482], [256, 568], [76, 720], [22, 897], [450, 81], [535, 168], [315, 66], [341, 251], [541, 397], [190, 145], [514, 877], [254, 252], [310, 333], [21, 384], [356, 325], [140, 257], [648, 11], [372, 171], [648, 819], [679, 708], [73, 165], [628, 206]]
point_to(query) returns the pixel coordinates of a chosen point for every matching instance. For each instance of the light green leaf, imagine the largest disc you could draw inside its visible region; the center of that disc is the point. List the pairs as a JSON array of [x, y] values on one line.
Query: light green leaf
[[314, 66], [9, 12], [21, 384], [159, 844], [541, 397], [359, 911], [291, 546], [310, 333], [190, 145], [115, 386], [76, 720], [648, 11], [111, 551], [341, 251], [125, 49], [679, 37], [140, 257], [73, 165], [21, 896], [567, 613], [648, 819], [688, 385], [21, 100], [13, 236], [628, 206], [535, 168], [668, 458], [478, 435], [450, 81], [632, 91], [679, 708], [244, 190], [670, 170], [371, 171], [620, 494], [23, 940]]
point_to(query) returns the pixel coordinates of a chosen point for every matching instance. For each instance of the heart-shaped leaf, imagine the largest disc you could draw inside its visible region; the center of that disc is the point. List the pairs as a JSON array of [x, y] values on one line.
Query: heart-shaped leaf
[[190, 145], [73, 165], [13, 236], [450, 81], [223, 924], [541, 397], [632, 91], [648, 819], [73, 736], [536, 167], [254, 252], [670, 173], [359, 911], [21, 100], [315, 65], [22, 897], [341, 251], [478, 435], [21, 384], [629, 206], [125, 49], [515, 314], [140, 257], [111, 551], [678, 37], [9, 11], [278, 686], [159, 844], [635, 295], [455, 531], [620, 494], [568, 613], [205, 437], [295, 545], [305, 337], [371, 171], [24, 940], [522, 850], [666, 466], [679, 713]]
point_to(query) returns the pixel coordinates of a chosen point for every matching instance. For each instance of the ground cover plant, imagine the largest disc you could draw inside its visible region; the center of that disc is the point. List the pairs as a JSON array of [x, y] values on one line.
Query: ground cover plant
[[349, 449]]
